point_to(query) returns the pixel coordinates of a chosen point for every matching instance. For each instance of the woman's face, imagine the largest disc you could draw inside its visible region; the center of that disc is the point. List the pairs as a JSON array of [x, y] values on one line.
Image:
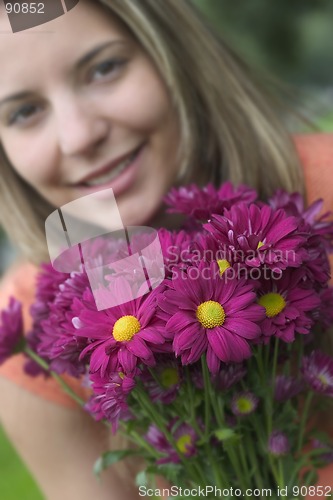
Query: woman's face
[[82, 109]]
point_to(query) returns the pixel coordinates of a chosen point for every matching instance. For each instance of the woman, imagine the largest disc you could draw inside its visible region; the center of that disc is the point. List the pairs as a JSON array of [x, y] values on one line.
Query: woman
[[133, 95]]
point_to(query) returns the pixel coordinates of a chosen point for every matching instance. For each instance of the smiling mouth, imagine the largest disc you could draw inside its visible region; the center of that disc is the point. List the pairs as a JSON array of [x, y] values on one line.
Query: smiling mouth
[[113, 172]]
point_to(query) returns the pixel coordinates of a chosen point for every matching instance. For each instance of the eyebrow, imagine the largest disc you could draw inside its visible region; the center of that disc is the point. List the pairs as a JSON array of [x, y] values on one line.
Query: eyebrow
[[90, 55], [20, 96]]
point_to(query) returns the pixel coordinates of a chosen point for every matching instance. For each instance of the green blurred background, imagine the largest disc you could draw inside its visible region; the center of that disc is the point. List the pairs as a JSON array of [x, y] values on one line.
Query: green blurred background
[[289, 39]]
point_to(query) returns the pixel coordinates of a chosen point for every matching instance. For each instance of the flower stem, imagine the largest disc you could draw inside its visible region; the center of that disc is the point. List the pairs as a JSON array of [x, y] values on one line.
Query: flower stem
[[206, 377], [192, 419], [155, 417], [43, 364], [138, 440], [305, 413]]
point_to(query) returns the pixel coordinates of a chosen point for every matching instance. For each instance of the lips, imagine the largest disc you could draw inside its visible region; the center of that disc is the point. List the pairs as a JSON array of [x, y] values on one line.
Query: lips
[[109, 172]]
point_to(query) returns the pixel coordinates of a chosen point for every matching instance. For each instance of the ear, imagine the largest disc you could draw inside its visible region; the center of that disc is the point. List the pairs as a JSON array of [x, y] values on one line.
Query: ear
[[25, 15]]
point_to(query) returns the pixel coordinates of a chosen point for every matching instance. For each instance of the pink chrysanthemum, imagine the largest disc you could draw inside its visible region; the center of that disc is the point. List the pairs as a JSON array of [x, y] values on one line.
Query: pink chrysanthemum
[[185, 439], [208, 249], [11, 330], [109, 400], [318, 230], [122, 336], [244, 403], [164, 385], [312, 216], [327, 455], [289, 306], [176, 248], [48, 282], [57, 340], [278, 443], [324, 314], [258, 235], [317, 370], [286, 387], [228, 376], [201, 203], [206, 313]]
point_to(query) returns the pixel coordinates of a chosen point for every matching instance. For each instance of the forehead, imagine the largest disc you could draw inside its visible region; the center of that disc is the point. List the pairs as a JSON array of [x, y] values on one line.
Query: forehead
[[68, 36]]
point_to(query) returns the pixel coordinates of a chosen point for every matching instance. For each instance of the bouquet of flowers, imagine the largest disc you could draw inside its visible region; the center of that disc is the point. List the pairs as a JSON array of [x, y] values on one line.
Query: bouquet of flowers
[[215, 372]]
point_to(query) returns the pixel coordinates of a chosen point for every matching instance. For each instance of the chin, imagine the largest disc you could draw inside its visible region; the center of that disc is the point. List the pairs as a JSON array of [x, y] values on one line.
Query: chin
[[140, 214]]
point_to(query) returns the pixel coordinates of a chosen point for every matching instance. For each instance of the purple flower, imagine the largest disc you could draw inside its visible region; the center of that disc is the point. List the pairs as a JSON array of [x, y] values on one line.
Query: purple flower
[[278, 443], [48, 282], [58, 341], [48, 285], [122, 336], [228, 376], [244, 403], [206, 248], [165, 384], [185, 439], [289, 306], [258, 235], [317, 370], [293, 204], [208, 314], [324, 314], [196, 375], [175, 248], [201, 203], [109, 400], [11, 330], [327, 455], [318, 231], [286, 387]]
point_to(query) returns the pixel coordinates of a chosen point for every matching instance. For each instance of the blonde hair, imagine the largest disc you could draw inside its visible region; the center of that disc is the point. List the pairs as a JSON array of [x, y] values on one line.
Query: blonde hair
[[229, 129]]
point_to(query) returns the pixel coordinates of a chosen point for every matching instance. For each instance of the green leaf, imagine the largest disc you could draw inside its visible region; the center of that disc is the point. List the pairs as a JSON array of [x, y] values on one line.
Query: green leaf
[[225, 434], [310, 477], [171, 472], [141, 478], [109, 458]]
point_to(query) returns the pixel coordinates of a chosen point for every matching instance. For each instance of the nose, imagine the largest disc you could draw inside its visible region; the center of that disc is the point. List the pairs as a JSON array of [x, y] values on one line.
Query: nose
[[80, 127]]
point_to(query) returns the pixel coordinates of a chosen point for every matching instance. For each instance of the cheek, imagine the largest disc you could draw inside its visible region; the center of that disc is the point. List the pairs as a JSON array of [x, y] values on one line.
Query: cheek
[[143, 101], [28, 157]]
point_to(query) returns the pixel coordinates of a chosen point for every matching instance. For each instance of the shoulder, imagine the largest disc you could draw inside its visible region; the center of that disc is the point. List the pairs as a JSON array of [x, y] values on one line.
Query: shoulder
[[315, 148], [315, 152]]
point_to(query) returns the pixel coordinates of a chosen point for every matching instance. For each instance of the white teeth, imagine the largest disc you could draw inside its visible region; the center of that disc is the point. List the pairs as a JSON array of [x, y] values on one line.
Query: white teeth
[[112, 174]]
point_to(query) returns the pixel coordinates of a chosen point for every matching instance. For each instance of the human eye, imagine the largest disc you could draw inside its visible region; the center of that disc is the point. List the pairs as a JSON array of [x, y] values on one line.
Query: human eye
[[105, 70], [24, 114]]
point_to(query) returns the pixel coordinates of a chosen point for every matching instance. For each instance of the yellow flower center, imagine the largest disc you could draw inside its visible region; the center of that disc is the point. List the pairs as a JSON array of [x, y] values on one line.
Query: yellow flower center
[[210, 314], [323, 378], [125, 328], [260, 244], [244, 405], [223, 265], [169, 377], [274, 303], [183, 442]]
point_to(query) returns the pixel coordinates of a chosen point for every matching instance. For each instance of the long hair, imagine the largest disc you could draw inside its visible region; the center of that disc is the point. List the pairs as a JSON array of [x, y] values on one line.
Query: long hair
[[230, 128]]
